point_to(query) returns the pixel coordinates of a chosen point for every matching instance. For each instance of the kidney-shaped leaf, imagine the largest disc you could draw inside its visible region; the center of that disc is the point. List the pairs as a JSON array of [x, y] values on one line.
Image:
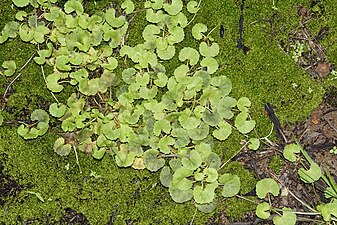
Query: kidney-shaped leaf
[[231, 185], [151, 161], [312, 174], [290, 150], [198, 29], [262, 210], [180, 196], [204, 195], [265, 186], [190, 54], [180, 180], [192, 161], [288, 217]]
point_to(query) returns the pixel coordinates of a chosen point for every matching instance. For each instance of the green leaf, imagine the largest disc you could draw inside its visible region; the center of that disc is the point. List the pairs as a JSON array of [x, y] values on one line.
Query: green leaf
[[328, 210], [254, 143], [199, 176], [213, 161], [288, 217], [110, 131], [180, 196], [111, 19], [231, 184], [192, 7], [10, 67], [192, 160], [182, 137], [290, 150], [174, 8], [224, 107], [208, 207], [155, 4], [112, 63], [40, 115], [209, 51], [162, 80], [161, 125], [211, 64], [265, 186], [204, 195], [61, 148], [124, 158], [164, 144], [151, 161], [57, 110], [165, 176], [10, 30], [223, 132], [177, 35], [243, 104], [21, 3], [128, 6], [211, 118], [98, 153], [167, 53], [212, 174], [52, 82], [179, 19], [179, 179], [199, 133], [61, 63], [73, 5], [262, 210], [190, 54], [150, 32], [189, 122], [154, 17], [26, 34], [20, 15], [242, 124], [311, 175], [198, 30], [204, 149], [128, 75]]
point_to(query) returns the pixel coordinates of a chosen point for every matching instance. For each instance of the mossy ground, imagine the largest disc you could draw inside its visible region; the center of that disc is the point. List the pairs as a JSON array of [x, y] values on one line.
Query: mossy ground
[[265, 74]]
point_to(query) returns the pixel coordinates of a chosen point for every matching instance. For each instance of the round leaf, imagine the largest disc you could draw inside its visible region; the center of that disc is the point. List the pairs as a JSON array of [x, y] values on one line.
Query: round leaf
[[223, 132], [165, 176], [57, 110], [231, 185], [262, 210], [179, 179], [290, 150], [288, 217], [192, 7], [180, 196], [192, 161], [198, 29], [312, 174], [190, 54], [254, 143], [204, 195], [21, 3], [151, 161], [265, 186]]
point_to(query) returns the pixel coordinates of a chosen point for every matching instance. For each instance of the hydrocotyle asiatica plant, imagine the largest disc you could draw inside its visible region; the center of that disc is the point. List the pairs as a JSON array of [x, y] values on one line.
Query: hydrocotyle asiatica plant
[[127, 103]]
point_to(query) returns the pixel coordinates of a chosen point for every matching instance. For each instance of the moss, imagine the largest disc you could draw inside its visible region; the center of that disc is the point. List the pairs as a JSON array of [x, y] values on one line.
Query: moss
[[238, 208], [265, 74], [276, 164]]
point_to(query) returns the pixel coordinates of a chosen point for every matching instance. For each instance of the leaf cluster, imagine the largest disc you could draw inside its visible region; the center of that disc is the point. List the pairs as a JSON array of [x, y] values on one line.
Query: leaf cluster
[[155, 120]]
